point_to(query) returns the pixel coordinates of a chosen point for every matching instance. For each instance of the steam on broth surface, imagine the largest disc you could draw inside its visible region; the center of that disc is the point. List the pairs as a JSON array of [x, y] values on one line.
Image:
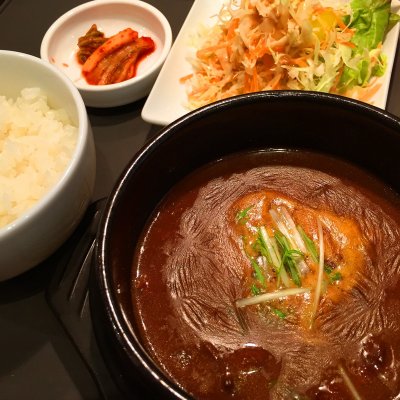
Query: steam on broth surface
[[274, 275]]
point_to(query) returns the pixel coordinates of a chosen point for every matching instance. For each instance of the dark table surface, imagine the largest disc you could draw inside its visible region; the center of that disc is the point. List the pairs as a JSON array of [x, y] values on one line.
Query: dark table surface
[[39, 357]]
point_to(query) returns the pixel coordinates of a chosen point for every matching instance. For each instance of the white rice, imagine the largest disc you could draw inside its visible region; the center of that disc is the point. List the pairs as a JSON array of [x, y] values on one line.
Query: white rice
[[36, 146]]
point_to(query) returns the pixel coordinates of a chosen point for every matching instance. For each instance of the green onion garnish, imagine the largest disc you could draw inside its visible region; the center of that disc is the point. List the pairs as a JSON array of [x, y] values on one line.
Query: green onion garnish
[[259, 275], [310, 245], [287, 227], [289, 257], [279, 313], [317, 293], [263, 245], [287, 220], [255, 290], [270, 244], [241, 215], [279, 294], [333, 275], [328, 269], [336, 276]]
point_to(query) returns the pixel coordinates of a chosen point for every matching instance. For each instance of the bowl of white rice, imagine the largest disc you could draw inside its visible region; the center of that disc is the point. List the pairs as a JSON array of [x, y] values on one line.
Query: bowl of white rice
[[47, 161]]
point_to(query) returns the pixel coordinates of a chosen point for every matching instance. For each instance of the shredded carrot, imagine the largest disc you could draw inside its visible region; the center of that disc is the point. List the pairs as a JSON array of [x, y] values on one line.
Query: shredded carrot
[[232, 27], [254, 83], [341, 24], [365, 93], [299, 61], [185, 78], [274, 83], [346, 43]]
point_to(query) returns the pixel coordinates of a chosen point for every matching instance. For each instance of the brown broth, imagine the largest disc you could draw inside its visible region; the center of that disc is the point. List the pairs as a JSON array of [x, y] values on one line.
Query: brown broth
[[189, 270]]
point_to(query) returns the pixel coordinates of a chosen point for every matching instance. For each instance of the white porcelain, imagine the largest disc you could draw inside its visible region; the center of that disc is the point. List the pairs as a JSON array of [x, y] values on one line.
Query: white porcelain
[[59, 46], [42, 229], [167, 99]]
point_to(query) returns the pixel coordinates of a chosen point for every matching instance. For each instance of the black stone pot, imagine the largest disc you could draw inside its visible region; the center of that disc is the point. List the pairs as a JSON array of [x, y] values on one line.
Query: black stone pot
[[350, 130]]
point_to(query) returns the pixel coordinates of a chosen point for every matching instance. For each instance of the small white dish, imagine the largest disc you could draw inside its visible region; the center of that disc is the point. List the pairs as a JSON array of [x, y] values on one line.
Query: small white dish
[[60, 44], [167, 99]]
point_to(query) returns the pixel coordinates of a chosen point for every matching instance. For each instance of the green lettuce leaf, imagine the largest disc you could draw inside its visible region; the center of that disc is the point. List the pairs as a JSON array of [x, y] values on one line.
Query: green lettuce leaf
[[372, 20], [380, 68], [393, 20]]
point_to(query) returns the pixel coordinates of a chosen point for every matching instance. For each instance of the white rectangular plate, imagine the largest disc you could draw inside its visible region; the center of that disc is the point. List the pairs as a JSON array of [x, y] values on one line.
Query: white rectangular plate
[[167, 99]]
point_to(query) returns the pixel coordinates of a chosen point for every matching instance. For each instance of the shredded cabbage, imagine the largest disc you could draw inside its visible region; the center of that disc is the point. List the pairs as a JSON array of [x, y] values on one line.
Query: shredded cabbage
[[259, 45]]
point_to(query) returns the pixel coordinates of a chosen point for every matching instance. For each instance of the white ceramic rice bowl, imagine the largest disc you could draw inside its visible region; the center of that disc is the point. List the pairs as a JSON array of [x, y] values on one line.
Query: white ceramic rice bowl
[[35, 235]]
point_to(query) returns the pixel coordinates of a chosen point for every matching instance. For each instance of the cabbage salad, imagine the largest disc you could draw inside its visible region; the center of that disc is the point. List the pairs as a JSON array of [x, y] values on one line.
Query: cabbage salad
[[316, 45]]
